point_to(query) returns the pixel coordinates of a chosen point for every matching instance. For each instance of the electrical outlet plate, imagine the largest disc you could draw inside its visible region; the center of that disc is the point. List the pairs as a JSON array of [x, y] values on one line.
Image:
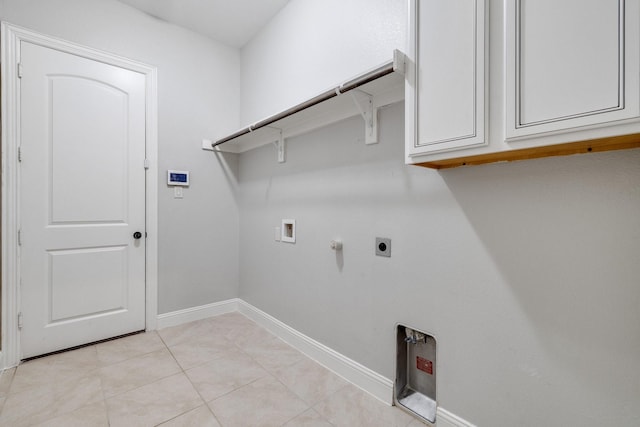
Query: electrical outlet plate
[[383, 246]]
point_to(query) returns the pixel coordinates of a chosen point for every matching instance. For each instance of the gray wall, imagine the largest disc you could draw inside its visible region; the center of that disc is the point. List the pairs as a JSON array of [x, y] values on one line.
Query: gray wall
[[311, 46], [526, 273], [198, 92]]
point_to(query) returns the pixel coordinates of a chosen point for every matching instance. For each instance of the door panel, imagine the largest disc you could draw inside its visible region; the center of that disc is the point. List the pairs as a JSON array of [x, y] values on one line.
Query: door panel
[[82, 189], [101, 286], [104, 160]]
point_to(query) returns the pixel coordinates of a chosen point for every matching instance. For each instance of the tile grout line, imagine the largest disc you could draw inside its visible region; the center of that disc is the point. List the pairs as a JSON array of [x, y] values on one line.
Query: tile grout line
[[106, 405], [225, 330], [268, 372], [309, 406], [298, 396], [143, 385], [84, 376], [235, 389], [104, 399], [190, 382]]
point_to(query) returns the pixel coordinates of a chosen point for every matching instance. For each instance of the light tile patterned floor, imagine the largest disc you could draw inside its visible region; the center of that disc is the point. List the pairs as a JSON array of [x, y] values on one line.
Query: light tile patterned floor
[[223, 371]]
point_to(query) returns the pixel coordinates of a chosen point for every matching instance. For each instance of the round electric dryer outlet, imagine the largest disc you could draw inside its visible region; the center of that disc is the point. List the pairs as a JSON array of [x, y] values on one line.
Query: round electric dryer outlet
[[383, 246]]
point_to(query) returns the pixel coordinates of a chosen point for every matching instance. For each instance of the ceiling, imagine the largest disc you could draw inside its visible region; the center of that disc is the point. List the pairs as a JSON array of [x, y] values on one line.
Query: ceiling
[[233, 22]]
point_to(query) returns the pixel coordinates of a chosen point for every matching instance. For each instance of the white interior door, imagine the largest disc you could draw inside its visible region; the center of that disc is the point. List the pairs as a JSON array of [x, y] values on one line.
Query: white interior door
[[82, 198]]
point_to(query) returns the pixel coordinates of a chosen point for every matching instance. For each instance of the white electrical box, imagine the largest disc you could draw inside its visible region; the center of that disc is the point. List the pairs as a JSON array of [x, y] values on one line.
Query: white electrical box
[[288, 231], [178, 178]]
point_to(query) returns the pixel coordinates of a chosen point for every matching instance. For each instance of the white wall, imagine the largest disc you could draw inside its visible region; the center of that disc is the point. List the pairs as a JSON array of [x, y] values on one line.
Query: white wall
[[526, 273], [311, 46], [198, 97]]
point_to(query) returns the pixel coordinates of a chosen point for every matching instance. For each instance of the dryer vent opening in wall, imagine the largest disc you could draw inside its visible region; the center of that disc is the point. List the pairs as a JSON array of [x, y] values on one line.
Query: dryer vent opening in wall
[[415, 385]]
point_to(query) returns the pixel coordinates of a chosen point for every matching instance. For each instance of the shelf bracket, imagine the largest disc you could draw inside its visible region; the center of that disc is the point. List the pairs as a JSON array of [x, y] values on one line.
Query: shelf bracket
[[369, 113], [281, 147], [400, 61]]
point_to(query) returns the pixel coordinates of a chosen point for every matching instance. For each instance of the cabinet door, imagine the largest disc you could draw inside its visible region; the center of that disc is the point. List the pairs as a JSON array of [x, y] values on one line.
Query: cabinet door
[[571, 65], [445, 97]]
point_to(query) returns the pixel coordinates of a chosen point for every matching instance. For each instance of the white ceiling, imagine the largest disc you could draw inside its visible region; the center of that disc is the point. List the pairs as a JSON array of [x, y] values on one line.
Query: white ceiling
[[233, 22]]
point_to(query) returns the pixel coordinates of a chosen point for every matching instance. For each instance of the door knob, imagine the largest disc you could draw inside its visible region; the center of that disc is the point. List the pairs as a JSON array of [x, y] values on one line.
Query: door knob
[[137, 235]]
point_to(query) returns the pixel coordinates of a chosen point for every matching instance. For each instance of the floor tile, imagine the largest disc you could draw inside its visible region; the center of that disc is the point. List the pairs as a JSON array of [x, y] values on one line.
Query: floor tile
[[54, 368], [236, 327], [248, 335], [136, 372], [229, 371], [40, 403], [115, 351], [308, 419], [352, 407], [94, 415], [247, 376], [200, 350], [154, 403], [265, 402], [417, 423], [199, 417], [273, 353], [187, 332], [6, 377], [232, 321], [309, 380]]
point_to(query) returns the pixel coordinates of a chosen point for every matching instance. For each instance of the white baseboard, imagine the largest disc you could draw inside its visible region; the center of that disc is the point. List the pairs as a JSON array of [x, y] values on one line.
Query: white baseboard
[[445, 418], [370, 381], [375, 384], [179, 317]]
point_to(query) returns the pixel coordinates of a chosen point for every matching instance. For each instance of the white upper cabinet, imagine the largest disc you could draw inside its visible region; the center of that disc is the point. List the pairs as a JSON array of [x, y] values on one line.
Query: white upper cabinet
[[445, 97], [500, 80], [570, 64]]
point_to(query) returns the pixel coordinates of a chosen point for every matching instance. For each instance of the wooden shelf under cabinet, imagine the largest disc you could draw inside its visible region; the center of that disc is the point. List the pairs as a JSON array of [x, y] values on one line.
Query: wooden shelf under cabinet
[[595, 145]]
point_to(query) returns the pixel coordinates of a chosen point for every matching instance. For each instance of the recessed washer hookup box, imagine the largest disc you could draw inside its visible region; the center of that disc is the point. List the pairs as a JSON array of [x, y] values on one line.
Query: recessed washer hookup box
[[414, 390]]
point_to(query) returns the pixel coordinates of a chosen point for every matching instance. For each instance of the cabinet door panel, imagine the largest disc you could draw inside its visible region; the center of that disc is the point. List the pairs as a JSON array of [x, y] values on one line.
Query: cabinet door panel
[[566, 65], [449, 83], [559, 41]]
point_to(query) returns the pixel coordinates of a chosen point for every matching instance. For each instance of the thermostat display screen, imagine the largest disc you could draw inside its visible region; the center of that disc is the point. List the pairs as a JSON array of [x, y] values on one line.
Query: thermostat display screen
[[177, 177]]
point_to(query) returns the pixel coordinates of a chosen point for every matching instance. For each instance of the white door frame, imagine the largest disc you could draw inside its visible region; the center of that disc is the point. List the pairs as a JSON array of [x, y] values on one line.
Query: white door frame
[[11, 37]]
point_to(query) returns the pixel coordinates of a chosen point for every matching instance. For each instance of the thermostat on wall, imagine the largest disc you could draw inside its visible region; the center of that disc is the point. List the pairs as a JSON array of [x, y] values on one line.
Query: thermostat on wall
[[178, 178]]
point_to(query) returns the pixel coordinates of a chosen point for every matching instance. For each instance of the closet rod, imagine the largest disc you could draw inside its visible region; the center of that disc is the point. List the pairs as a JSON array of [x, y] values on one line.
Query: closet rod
[[363, 79]]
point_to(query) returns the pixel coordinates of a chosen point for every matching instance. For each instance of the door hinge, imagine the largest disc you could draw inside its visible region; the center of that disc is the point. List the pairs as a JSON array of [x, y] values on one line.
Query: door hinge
[[19, 70], [19, 237], [146, 163], [20, 320], [19, 154]]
